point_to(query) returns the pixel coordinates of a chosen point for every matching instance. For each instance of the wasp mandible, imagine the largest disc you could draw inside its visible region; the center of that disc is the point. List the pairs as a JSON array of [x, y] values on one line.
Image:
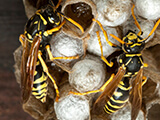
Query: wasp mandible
[[35, 41], [127, 83]]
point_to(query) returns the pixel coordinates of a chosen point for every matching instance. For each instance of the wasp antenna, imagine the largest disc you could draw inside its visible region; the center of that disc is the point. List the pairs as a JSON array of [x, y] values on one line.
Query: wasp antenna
[[152, 31], [118, 39], [104, 32], [136, 22], [51, 3]]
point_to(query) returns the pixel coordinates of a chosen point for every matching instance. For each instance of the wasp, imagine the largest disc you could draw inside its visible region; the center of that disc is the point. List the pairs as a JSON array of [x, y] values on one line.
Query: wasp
[[35, 41], [127, 84]]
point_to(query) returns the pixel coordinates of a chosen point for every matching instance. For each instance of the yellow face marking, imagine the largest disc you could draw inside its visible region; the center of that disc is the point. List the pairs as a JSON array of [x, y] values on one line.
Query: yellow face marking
[[57, 23], [44, 21], [136, 44], [131, 36], [124, 49], [50, 20], [36, 22]]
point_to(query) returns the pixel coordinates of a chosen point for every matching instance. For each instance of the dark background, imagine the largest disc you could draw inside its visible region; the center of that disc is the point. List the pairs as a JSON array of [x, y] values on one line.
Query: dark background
[[12, 21]]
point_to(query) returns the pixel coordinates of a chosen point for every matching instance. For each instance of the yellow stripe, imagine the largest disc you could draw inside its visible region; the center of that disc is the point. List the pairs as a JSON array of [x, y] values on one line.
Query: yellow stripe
[[132, 55], [106, 111], [121, 82], [115, 106], [50, 20], [35, 73], [37, 63], [36, 22], [120, 60], [29, 36], [43, 99], [38, 97], [57, 23], [128, 61], [40, 87], [41, 79], [40, 92], [109, 109], [136, 44], [118, 101], [123, 88], [44, 21]]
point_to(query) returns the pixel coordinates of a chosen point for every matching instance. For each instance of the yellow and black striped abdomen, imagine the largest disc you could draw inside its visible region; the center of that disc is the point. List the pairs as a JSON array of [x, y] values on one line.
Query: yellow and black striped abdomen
[[40, 84], [119, 98]]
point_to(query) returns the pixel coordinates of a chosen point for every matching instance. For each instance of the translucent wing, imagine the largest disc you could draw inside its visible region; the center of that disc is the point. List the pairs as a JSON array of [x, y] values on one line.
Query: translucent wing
[[28, 65], [136, 94], [109, 90]]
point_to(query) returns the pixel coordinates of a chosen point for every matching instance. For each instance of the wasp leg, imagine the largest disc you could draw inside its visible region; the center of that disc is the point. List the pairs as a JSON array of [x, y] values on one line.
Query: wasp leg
[[45, 69], [21, 39], [102, 57], [51, 31], [106, 36], [53, 58], [74, 22], [136, 22], [95, 91], [144, 80]]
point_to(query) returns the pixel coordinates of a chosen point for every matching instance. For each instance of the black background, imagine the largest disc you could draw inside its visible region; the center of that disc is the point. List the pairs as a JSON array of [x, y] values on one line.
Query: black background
[[12, 21]]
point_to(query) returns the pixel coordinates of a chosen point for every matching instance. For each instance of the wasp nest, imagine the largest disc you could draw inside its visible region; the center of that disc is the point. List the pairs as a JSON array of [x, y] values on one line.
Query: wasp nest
[[89, 72]]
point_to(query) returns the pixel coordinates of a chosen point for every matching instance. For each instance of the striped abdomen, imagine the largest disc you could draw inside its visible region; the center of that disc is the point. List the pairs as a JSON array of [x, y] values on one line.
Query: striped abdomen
[[40, 84], [119, 98]]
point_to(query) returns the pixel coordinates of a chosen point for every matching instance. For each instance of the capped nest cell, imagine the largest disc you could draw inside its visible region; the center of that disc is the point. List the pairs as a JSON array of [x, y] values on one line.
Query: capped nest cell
[[89, 72]]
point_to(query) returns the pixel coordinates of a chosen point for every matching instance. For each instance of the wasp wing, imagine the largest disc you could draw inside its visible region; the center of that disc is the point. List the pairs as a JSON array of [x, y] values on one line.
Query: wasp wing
[[109, 90], [28, 65], [136, 94]]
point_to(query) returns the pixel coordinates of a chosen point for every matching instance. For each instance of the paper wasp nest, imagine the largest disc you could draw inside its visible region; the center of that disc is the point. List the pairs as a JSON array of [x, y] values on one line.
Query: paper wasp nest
[[115, 13]]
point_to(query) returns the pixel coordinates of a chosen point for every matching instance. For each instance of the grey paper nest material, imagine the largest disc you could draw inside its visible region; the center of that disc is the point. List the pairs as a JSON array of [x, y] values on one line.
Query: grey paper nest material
[[86, 10]]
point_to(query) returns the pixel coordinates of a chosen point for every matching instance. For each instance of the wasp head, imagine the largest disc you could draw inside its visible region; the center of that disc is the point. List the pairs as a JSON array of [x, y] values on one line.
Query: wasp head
[[133, 43], [53, 15]]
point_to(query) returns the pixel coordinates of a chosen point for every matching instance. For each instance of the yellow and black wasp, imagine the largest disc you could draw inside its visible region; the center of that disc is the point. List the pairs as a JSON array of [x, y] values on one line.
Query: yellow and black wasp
[[127, 83], [35, 41]]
